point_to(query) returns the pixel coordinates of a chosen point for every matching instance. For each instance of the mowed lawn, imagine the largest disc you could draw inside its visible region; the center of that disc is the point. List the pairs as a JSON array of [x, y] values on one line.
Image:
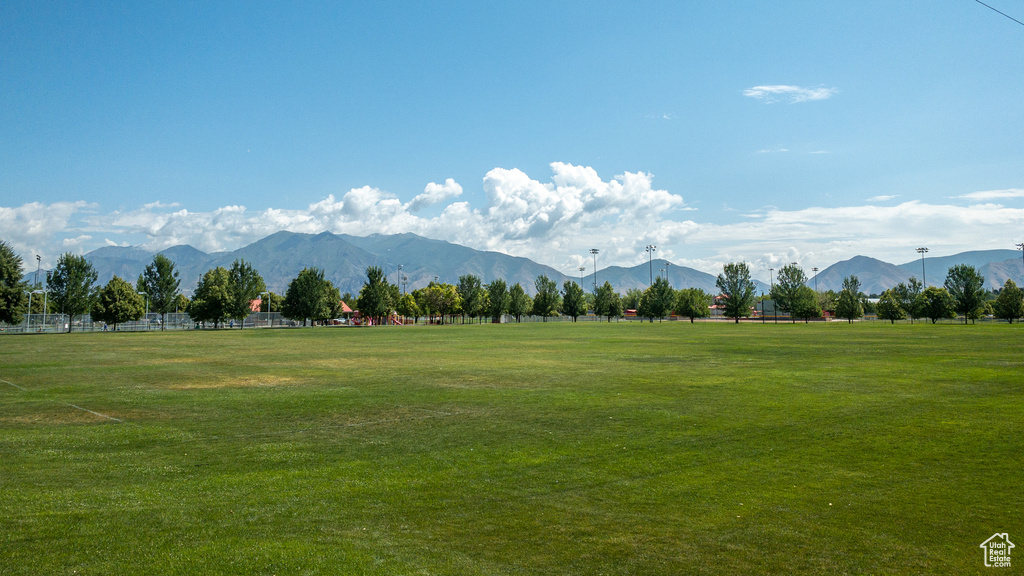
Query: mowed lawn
[[555, 448]]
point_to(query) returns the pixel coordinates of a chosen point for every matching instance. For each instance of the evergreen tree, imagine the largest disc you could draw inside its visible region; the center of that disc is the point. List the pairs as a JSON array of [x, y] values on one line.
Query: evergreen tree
[[375, 297], [13, 300]]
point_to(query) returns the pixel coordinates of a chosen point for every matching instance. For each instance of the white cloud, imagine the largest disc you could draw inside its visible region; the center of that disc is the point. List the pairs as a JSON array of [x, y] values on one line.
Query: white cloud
[[555, 222], [791, 94], [883, 198], [994, 194], [435, 193]]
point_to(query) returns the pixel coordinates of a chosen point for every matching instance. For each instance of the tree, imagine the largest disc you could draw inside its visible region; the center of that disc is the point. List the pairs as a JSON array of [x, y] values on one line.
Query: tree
[[935, 304], [272, 303], [1009, 305], [906, 295], [889, 307], [70, 284], [574, 304], [804, 304], [519, 302], [408, 308], [607, 302], [631, 299], [693, 303], [159, 282], [657, 300], [471, 294], [245, 285], [308, 295], [212, 298], [785, 291], [117, 303], [547, 300], [497, 299], [375, 297], [738, 290], [848, 305], [12, 288], [964, 284]]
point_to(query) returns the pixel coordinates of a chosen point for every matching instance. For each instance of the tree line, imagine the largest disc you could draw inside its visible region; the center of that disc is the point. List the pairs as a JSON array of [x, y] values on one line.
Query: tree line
[[226, 295]]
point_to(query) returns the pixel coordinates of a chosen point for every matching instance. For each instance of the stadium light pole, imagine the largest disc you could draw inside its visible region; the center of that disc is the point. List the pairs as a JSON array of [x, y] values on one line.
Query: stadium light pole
[[650, 259], [582, 269], [39, 266], [815, 270], [594, 251], [1021, 248], [667, 264], [28, 316], [924, 277]]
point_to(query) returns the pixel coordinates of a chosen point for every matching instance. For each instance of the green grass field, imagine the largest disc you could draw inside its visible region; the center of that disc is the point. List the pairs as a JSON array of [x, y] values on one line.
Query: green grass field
[[557, 448]]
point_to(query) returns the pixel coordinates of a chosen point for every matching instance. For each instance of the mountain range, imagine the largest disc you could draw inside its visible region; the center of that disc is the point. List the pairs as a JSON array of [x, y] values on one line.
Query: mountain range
[[416, 261]]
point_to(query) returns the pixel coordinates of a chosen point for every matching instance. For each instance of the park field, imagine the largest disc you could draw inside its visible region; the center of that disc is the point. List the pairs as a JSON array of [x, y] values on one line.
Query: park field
[[544, 448]]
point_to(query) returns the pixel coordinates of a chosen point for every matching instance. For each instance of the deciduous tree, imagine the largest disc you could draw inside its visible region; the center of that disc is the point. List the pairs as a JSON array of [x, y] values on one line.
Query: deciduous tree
[[935, 304], [212, 298], [889, 307], [607, 302], [71, 286], [547, 300], [497, 299], [308, 296], [574, 304], [804, 304], [375, 297], [738, 290], [784, 292], [245, 285], [1009, 305], [964, 284], [693, 303], [118, 303], [519, 302], [159, 282]]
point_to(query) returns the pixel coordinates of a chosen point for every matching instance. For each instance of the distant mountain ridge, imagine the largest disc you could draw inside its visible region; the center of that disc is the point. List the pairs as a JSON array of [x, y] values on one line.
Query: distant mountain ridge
[[344, 259]]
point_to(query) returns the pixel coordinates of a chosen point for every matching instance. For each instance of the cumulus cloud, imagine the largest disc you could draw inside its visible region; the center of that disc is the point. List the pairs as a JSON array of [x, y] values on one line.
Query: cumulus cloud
[[555, 221], [791, 94], [883, 198], [435, 193]]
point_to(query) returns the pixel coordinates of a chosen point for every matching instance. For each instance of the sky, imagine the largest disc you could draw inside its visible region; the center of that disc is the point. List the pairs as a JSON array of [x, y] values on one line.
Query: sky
[[769, 133]]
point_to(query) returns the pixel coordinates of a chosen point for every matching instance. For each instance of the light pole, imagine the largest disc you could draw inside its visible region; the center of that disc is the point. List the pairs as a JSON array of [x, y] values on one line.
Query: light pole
[[582, 269], [39, 265], [405, 283], [400, 274], [924, 278], [146, 296], [771, 277], [815, 270], [667, 264], [650, 256], [267, 293], [594, 251], [28, 317], [1021, 248]]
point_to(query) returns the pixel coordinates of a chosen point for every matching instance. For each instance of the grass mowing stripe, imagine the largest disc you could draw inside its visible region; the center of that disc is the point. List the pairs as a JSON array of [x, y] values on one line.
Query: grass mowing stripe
[[15, 385]]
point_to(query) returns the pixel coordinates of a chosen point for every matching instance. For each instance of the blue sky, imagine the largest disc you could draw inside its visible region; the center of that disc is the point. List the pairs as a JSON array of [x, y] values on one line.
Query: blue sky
[[720, 131]]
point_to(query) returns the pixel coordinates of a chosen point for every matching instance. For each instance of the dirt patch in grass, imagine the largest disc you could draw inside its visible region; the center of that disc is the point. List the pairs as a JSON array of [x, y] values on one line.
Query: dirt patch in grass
[[235, 382]]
